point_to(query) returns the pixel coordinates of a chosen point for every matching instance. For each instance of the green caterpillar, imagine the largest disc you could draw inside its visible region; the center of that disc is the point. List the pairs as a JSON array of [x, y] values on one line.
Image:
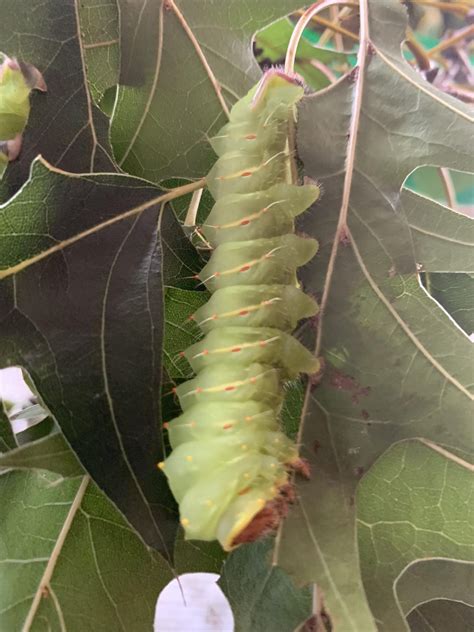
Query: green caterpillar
[[17, 79], [230, 465]]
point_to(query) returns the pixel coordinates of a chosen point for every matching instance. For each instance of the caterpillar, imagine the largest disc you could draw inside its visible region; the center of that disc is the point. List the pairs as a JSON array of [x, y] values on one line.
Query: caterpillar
[[230, 464], [17, 79]]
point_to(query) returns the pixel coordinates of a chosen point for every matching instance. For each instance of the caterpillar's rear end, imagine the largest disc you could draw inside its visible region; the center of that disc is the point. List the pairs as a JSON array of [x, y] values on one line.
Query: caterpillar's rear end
[[231, 464]]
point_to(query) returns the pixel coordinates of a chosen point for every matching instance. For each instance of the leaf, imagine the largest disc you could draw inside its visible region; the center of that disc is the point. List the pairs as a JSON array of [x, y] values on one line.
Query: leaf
[[7, 438], [180, 331], [442, 239], [272, 44], [181, 261], [396, 366], [427, 182], [441, 615], [435, 579], [81, 310], [183, 64], [35, 431], [181, 205], [262, 596], [99, 23], [64, 126], [415, 503], [193, 556], [455, 292], [69, 561], [50, 453]]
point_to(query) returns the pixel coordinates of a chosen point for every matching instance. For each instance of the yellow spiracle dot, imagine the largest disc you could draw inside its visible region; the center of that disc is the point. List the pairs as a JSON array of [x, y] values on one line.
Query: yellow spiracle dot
[[161, 465], [273, 465], [189, 458], [244, 446], [193, 424], [184, 522], [248, 418], [209, 503], [246, 475], [260, 501]]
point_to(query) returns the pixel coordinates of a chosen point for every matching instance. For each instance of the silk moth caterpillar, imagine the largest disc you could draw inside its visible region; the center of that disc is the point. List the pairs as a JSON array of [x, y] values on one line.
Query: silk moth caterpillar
[[230, 464], [17, 79]]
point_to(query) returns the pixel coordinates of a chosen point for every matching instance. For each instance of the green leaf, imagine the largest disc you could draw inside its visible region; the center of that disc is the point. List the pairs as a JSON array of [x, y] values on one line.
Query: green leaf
[[441, 615], [193, 556], [35, 431], [397, 367], [272, 43], [64, 126], [180, 331], [68, 560], [7, 438], [455, 292], [442, 239], [50, 453], [182, 61], [99, 24], [435, 579], [261, 595], [81, 310], [415, 503], [181, 261]]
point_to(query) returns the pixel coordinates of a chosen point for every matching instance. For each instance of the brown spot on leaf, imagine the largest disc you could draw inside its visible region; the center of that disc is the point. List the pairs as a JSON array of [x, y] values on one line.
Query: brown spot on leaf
[[344, 382]]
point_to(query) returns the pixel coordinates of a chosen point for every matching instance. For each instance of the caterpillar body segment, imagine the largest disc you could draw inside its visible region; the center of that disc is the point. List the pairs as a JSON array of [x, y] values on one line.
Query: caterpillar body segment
[[230, 463], [280, 306], [17, 79], [267, 213]]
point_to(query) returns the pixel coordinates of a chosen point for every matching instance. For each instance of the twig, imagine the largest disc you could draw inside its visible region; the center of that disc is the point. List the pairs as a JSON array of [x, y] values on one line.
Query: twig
[[450, 41], [303, 22], [190, 219], [448, 186], [332, 26], [422, 59], [453, 7], [335, 17]]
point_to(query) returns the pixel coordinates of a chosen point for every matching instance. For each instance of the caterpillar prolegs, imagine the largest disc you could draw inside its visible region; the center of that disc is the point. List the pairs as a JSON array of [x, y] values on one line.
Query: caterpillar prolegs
[[231, 463]]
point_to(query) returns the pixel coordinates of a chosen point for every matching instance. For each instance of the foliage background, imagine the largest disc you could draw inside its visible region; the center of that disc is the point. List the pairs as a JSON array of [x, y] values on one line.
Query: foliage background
[[95, 291]]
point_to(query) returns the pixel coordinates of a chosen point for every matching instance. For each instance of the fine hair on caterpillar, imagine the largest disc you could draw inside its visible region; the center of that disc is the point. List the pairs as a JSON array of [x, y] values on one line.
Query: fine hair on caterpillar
[[231, 465]]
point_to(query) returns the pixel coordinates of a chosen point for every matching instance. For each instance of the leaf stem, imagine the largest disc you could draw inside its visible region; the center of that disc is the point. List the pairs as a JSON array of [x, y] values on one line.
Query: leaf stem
[[333, 26], [419, 53], [303, 22], [448, 186], [191, 215], [55, 553], [338, 41], [341, 230], [160, 199]]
